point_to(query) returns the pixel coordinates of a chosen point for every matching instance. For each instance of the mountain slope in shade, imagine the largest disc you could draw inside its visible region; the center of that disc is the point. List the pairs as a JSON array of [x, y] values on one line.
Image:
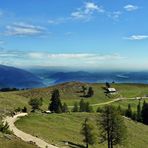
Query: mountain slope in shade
[[119, 77], [15, 77]]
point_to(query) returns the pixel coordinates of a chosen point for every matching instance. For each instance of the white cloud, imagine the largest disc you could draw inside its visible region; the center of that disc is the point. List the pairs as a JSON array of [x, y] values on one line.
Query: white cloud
[[131, 7], [78, 15], [86, 11], [24, 58], [90, 7], [24, 29], [36, 55], [86, 56], [137, 37], [11, 53]]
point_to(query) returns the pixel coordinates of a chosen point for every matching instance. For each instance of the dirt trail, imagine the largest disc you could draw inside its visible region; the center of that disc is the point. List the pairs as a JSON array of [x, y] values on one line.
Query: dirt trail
[[114, 100], [118, 99], [24, 136]]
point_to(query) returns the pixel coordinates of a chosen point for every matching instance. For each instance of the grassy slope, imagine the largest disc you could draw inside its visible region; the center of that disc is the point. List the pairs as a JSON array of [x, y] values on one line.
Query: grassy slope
[[9, 102], [56, 128], [68, 92], [13, 142], [12, 100]]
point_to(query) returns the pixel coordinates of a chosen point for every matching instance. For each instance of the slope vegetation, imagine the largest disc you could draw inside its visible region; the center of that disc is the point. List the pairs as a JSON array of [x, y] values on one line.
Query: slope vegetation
[[58, 128]]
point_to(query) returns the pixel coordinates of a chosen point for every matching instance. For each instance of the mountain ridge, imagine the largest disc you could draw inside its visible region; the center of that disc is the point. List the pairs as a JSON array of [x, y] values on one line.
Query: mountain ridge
[[18, 78]]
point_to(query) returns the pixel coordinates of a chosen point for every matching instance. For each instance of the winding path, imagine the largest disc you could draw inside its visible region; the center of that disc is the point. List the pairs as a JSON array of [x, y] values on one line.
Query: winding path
[[118, 99], [114, 100], [24, 136]]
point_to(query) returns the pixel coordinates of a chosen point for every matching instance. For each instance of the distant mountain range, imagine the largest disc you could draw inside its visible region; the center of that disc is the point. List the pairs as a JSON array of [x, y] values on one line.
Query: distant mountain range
[[35, 78], [18, 78], [97, 77], [51, 76]]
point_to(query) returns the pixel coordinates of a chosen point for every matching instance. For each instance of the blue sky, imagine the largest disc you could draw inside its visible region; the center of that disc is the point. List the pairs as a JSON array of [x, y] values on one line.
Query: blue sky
[[97, 34]]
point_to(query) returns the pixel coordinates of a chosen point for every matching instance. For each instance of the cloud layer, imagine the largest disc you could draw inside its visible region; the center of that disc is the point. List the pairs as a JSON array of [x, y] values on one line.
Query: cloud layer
[[137, 37], [130, 7], [21, 58], [23, 29]]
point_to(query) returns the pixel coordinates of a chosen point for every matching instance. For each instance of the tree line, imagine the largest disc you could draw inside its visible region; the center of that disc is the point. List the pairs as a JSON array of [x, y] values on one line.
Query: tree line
[[141, 114]]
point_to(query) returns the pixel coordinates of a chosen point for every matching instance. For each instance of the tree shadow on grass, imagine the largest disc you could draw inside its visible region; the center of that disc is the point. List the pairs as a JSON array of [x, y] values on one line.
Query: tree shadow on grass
[[74, 145]]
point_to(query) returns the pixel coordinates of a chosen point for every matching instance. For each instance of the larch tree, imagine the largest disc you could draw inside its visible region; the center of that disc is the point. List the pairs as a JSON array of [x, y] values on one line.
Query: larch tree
[[112, 127], [88, 131]]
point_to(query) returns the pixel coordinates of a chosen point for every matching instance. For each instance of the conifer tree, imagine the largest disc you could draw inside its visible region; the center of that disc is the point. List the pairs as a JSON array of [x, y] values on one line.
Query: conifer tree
[[84, 90], [64, 108], [88, 108], [90, 92], [75, 108], [55, 105], [139, 112], [107, 85], [144, 113], [128, 112], [82, 106], [112, 127], [89, 133]]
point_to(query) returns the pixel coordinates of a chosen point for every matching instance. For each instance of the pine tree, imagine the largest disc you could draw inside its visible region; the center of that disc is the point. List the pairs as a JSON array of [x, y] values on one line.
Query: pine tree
[[139, 112], [128, 112], [90, 92], [64, 108], [55, 105], [89, 133], [82, 106], [75, 108], [144, 113], [119, 109], [112, 127], [107, 85], [24, 110], [134, 116], [88, 108], [99, 110], [84, 90]]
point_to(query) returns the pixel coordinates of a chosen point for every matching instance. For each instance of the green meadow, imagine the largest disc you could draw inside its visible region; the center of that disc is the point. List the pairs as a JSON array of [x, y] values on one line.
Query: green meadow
[[60, 128], [65, 127]]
